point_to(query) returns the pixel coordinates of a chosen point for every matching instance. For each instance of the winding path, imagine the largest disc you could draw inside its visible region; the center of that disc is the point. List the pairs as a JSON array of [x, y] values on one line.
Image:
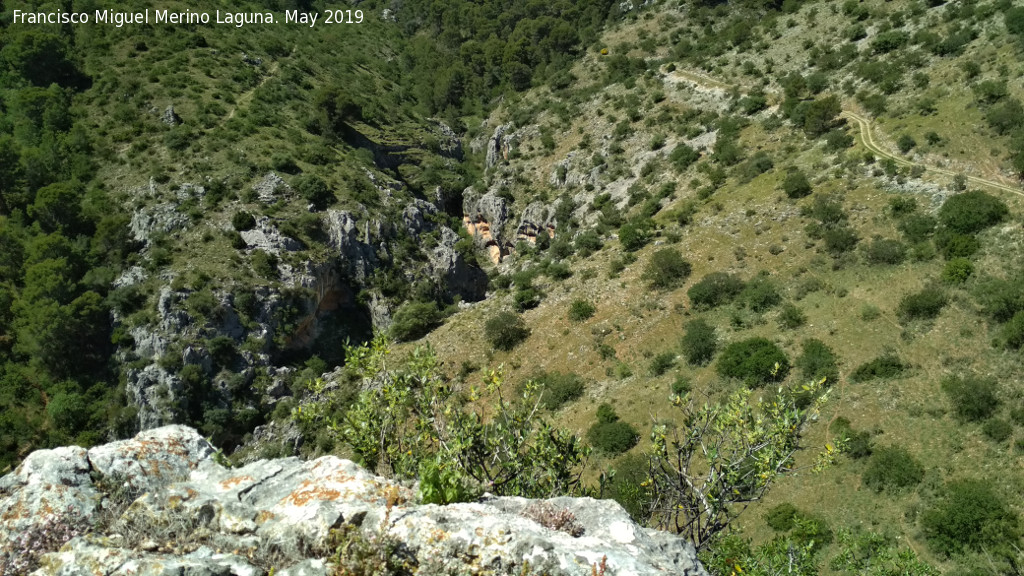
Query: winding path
[[866, 138], [870, 144]]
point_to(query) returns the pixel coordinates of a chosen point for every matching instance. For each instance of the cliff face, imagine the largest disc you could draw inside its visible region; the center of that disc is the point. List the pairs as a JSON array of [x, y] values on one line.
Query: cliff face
[[161, 504]]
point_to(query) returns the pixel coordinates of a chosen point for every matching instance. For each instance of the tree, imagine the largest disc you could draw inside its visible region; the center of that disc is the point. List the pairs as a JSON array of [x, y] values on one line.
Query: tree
[[667, 269], [970, 515], [820, 114], [796, 185], [700, 342], [505, 330], [1014, 20], [409, 423], [315, 191], [414, 320], [704, 475], [756, 361]]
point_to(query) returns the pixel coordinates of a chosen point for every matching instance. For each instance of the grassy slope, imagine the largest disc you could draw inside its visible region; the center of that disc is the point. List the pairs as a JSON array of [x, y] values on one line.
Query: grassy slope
[[910, 411]]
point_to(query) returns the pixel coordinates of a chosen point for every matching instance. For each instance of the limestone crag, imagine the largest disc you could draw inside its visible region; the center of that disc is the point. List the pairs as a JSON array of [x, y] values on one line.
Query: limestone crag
[[499, 145], [187, 514], [485, 218], [536, 218]]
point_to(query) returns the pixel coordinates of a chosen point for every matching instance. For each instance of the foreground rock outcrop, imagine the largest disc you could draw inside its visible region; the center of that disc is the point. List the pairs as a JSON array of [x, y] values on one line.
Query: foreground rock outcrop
[[161, 504]]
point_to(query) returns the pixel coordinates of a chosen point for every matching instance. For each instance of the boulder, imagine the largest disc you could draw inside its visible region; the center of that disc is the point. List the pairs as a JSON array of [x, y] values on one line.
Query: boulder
[[196, 517], [169, 117], [269, 187], [265, 236]]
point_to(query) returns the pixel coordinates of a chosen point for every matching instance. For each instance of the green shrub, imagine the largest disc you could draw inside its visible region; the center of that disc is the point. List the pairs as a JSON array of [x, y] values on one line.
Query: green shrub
[[1013, 332], [557, 388], [634, 235], [609, 434], [587, 243], [683, 156], [505, 330], [901, 206], [957, 271], [791, 317], [858, 443], [925, 304], [526, 299], [972, 212], [628, 486], [974, 398], [415, 320], [758, 164], [715, 289], [314, 190], [796, 185], [264, 264], [682, 385], [888, 365], [970, 515], [223, 351], [917, 227], [892, 468], [817, 361], [905, 143], [756, 361], [662, 362], [885, 251], [581, 310], [955, 245], [840, 239], [558, 270], [781, 517], [997, 429], [667, 269], [761, 294], [242, 221], [699, 342]]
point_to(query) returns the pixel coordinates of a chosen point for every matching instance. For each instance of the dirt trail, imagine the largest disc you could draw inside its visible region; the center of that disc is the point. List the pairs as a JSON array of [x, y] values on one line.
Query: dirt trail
[[244, 99], [866, 137], [870, 144]]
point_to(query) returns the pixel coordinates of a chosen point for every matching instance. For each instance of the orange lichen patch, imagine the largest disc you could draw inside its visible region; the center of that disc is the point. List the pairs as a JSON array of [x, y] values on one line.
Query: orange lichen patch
[[265, 516], [437, 535], [310, 491], [232, 482]]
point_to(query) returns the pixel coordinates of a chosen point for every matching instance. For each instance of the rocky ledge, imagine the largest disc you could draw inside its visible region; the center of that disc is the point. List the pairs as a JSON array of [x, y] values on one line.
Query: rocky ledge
[[161, 504]]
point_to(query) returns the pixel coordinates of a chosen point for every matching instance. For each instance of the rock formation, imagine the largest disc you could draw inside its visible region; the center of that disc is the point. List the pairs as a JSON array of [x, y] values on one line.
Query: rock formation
[[162, 504], [484, 218]]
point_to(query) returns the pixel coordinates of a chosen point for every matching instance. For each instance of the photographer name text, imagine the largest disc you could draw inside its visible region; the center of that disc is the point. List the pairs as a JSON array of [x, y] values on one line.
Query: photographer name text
[[148, 16]]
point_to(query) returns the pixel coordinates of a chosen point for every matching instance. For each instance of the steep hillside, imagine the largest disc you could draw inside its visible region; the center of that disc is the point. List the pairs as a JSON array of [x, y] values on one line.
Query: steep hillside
[[620, 212]]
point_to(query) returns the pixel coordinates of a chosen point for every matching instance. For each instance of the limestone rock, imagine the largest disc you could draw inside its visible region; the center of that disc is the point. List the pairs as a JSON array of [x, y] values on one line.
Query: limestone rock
[[485, 218], [158, 218], [499, 145], [535, 218], [169, 117], [270, 187], [452, 271], [265, 236], [414, 216], [449, 143], [350, 243], [197, 517]]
